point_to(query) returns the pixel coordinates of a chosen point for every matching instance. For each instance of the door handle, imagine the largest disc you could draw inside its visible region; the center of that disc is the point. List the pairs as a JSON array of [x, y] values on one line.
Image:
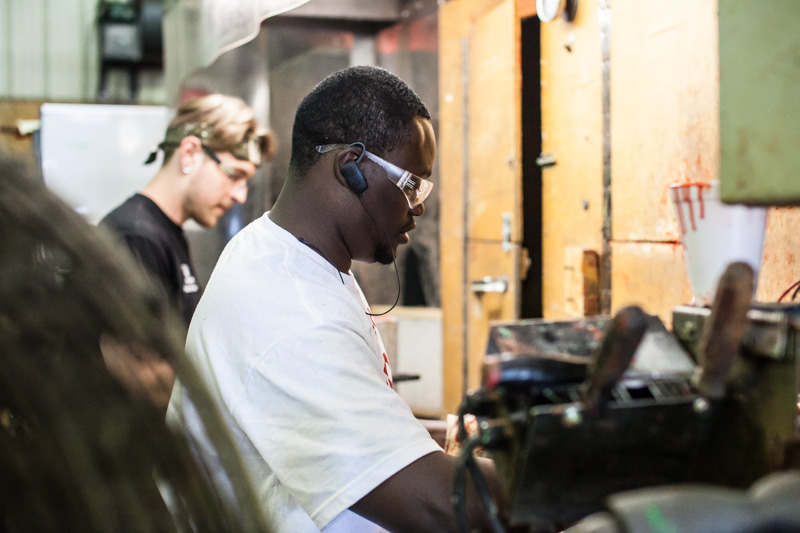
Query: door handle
[[546, 159], [490, 284]]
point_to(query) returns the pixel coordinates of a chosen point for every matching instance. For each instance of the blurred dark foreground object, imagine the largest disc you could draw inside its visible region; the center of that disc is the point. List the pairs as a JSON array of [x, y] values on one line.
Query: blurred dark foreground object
[[78, 450], [771, 505]]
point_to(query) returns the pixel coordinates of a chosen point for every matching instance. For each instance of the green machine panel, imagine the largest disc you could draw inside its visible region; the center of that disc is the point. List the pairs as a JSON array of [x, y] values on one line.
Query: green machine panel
[[759, 60]]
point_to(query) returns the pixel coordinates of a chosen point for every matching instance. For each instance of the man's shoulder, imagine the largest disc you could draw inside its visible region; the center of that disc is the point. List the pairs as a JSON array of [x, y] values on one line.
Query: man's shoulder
[[137, 215]]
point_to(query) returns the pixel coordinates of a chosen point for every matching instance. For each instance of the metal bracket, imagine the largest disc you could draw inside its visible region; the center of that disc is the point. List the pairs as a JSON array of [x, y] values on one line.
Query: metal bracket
[[490, 284]]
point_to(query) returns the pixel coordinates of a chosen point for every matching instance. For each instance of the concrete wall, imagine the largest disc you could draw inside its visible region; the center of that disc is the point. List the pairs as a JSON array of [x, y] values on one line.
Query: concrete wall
[[49, 52]]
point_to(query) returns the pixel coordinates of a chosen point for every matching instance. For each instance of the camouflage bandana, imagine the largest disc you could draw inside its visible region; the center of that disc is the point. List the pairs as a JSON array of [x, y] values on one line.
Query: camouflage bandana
[[249, 149]]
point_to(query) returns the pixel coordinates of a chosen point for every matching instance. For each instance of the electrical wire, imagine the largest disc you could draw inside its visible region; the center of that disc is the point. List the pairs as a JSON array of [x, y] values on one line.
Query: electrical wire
[[460, 485], [795, 286], [466, 461], [483, 493], [320, 252]]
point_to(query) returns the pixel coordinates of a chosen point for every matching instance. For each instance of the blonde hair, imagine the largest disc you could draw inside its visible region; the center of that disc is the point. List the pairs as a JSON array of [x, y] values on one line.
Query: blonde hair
[[226, 122]]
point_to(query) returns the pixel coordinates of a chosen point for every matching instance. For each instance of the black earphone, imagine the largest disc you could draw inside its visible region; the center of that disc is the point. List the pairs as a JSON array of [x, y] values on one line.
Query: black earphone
[[352, 172]]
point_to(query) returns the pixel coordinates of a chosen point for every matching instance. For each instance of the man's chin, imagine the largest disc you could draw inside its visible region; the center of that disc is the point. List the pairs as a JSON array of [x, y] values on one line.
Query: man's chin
[[210, 219], [384, 255], [207, 222]]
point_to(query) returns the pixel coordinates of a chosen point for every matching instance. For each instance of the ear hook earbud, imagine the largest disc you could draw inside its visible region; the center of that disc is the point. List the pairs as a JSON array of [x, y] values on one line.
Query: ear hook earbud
[[363, 149], [352, 174]]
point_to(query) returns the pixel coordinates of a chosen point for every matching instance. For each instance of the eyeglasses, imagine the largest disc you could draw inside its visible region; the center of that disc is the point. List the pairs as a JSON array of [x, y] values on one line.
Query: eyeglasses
[[415, 188], [226, 168]]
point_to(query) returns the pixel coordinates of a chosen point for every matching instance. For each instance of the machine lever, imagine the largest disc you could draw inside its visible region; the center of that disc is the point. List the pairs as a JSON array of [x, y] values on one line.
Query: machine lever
[[724, 330], [614, 356]]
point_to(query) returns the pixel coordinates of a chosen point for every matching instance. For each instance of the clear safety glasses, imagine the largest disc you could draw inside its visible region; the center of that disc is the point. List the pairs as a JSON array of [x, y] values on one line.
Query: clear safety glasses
[[415, 188], [227, 169]]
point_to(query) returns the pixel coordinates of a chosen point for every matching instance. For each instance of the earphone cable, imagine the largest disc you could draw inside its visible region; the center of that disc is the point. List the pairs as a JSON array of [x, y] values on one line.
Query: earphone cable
[[320, 252], [394, 256]]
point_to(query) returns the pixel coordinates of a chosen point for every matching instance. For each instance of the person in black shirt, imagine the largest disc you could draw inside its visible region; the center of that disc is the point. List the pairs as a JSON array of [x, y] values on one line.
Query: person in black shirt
[[158, 243], [212, 148]]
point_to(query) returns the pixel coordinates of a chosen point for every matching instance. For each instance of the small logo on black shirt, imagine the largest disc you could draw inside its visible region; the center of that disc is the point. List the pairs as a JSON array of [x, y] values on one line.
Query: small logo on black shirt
[[189, 281]]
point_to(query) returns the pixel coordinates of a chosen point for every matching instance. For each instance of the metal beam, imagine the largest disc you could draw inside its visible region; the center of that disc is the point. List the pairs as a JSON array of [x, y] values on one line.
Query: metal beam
[[365, 10]]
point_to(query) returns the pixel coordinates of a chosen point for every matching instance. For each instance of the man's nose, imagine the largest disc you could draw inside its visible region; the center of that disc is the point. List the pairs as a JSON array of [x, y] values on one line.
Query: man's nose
[[239, 192], [418, 210]]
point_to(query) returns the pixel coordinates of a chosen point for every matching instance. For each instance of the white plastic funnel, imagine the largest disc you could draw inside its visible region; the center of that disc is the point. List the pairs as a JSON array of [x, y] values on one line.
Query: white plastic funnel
[[714, 235]]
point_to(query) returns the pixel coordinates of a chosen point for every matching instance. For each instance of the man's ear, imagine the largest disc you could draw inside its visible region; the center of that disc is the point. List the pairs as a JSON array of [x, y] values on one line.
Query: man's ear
[[190, 144], [188, 148], [350, 171]]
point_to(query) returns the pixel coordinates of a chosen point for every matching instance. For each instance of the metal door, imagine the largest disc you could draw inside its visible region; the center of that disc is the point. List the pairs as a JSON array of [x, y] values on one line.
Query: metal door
[[480, 167]]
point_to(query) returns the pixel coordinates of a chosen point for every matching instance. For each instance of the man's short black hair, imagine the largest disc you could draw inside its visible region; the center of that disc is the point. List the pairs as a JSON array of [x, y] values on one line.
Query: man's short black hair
[[357, 104]]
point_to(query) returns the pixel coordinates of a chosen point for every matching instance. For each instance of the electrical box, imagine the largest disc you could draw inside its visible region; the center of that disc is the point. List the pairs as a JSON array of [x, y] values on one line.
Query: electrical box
[[759, 62]]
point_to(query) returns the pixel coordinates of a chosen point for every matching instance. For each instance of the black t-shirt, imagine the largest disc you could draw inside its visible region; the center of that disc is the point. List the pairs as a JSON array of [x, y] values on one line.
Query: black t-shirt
[[160, 246]]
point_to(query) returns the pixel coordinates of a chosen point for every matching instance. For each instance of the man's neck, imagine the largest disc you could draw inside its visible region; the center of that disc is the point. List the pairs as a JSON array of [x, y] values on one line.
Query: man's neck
[[319, 236], [169, 201]]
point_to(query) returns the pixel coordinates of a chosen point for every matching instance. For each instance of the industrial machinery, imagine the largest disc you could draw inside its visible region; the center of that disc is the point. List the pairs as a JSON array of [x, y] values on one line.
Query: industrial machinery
[[576, 411]]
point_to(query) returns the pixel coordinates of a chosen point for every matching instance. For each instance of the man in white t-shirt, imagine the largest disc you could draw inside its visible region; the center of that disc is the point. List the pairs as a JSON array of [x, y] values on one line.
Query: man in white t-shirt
[[285, 341]]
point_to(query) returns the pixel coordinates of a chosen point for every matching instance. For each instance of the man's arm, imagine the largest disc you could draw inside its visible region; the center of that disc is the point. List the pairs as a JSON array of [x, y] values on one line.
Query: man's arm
[[141, 371], [418, 498]]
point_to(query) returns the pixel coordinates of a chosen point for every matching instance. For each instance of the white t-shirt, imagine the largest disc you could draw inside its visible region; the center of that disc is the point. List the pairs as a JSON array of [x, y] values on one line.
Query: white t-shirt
[[301, 377]]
